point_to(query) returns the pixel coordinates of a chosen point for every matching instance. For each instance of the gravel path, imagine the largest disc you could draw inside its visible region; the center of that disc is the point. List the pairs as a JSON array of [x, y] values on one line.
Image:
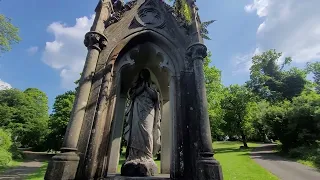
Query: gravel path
[[283, 168], [21, 171]]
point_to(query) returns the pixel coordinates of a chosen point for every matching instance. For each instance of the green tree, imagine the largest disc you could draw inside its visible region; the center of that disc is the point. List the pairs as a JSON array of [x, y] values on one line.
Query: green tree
[[8, 34], [26, 114], [314, 68], [215, 92], [59, 119], [235, 105], [296, 123], [272, 82]]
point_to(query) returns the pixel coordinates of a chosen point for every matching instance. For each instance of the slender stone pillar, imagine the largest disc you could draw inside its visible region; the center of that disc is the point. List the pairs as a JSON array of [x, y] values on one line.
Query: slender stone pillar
[[166, 138], [64, 165], [116, 135], [208, 168]]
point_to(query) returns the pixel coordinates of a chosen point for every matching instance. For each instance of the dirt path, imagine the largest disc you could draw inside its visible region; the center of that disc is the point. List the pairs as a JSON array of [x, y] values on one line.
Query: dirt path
[[21, 171], [283, 168]]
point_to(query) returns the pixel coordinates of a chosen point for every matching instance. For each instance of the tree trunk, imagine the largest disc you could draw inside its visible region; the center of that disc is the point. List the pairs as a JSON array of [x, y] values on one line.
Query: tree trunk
[[244, 140]]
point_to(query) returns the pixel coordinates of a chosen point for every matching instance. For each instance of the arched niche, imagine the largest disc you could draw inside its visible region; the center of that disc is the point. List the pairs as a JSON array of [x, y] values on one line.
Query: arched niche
[[163, 74]]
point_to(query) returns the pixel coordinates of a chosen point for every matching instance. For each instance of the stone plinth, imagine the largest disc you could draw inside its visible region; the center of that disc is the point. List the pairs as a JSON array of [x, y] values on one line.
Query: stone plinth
[[156, 177]]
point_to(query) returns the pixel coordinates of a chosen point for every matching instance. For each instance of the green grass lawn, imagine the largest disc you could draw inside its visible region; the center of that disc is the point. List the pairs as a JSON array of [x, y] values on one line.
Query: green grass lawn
[[11, 164], [237, 165], [39, 174]]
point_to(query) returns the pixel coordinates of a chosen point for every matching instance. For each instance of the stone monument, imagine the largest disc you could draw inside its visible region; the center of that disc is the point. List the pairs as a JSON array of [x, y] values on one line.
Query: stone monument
[[144, 67]]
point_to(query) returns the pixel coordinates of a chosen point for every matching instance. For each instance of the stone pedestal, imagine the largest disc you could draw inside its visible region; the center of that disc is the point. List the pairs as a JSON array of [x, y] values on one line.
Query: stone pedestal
[[63, 166], [209, 170], [118, 177]]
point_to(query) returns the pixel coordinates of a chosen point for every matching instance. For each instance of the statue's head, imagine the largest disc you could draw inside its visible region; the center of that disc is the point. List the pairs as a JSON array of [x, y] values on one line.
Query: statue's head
[[145, 74]]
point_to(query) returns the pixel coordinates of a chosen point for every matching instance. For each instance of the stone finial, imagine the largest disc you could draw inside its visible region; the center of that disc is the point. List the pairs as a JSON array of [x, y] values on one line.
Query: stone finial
[[197, 51], [95, 40]]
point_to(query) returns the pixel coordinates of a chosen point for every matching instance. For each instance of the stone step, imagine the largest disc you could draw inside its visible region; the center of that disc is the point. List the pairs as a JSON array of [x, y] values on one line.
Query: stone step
[[156, 177]]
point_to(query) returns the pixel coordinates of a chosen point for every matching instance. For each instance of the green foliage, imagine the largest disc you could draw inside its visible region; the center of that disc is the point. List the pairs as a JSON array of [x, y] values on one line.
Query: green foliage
[[26, 114], [8, 34], [296, 123], [315, 69], [183, 9], [5, 145], [271, 82], [204, 29], [235, 105], [214, 96], [59, 119]]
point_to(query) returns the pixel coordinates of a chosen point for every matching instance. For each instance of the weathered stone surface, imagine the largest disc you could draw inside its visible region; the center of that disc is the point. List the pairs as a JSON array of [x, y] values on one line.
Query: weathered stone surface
[[163, 39], [139, 168], [156, 177], [209, 170], [62, 166]]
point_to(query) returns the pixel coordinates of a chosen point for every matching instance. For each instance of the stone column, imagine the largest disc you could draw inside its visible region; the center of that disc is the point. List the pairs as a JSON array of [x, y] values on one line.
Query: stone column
[[115, 143], [64, 165], [166, 138], [208, 168]]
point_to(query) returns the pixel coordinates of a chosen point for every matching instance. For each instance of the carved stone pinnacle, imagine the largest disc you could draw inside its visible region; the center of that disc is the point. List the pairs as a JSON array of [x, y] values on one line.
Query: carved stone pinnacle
[[95, 40], [197, 51]]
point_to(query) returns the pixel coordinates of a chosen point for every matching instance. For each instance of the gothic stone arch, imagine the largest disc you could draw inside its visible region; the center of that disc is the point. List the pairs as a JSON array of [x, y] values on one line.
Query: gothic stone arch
[[116, 46]]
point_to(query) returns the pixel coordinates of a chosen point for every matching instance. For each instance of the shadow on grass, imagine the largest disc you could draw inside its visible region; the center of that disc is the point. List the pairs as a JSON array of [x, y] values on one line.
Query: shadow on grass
[[39, 174]]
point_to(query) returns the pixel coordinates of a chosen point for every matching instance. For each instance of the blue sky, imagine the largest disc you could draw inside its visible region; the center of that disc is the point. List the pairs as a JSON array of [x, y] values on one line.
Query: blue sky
[[51, 53]]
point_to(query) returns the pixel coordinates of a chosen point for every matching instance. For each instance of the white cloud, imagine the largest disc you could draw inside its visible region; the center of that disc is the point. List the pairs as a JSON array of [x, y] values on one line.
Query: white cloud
[[67, 53], [241, 63], [32, 50], [289, 26], [4, 85]]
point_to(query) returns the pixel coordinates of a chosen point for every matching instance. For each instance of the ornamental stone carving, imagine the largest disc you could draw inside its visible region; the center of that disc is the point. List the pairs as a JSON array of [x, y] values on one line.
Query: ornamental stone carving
[[197, 51], [95, 40], [151, 17]]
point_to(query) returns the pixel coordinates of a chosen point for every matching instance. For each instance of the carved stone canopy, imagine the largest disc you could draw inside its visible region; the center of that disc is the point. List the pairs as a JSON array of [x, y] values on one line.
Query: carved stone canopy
[[197, 51], [149, 56], [95, 40]]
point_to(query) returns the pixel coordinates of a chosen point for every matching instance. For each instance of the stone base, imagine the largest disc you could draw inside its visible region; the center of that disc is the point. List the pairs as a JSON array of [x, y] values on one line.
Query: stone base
[[156, 177], [139, 169], [62, 167], [209, 170]]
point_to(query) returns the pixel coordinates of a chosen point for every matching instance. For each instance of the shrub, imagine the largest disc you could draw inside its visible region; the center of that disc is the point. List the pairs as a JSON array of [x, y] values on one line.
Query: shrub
[[5, 140], [5, 157], [5, 145]]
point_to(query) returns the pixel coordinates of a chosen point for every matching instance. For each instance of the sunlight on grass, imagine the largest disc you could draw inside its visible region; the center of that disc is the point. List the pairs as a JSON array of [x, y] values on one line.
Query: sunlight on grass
[[237, 164], [11, 164], [39, 174]]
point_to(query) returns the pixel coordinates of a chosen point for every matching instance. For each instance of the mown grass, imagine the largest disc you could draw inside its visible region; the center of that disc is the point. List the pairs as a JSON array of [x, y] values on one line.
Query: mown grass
[[236, 163], [39, 174], [12, 164]]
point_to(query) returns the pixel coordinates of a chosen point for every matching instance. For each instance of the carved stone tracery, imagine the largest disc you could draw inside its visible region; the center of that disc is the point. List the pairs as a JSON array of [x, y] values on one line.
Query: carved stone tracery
[[197, 51], [95, 40], [119, 12]]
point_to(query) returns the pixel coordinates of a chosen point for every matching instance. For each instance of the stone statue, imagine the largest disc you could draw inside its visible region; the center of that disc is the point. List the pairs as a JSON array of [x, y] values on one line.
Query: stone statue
[[143, 130]]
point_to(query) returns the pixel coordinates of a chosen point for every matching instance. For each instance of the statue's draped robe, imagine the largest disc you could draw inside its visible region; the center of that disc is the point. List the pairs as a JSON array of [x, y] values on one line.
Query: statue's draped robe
[[143, 130]]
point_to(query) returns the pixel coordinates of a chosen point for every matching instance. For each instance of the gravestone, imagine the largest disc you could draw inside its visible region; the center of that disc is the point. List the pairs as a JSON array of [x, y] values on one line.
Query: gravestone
[[147, 54]]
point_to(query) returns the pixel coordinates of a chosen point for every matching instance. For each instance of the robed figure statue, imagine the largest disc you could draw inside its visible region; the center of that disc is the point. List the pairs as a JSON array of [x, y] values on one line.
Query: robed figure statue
[[142, 132]]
